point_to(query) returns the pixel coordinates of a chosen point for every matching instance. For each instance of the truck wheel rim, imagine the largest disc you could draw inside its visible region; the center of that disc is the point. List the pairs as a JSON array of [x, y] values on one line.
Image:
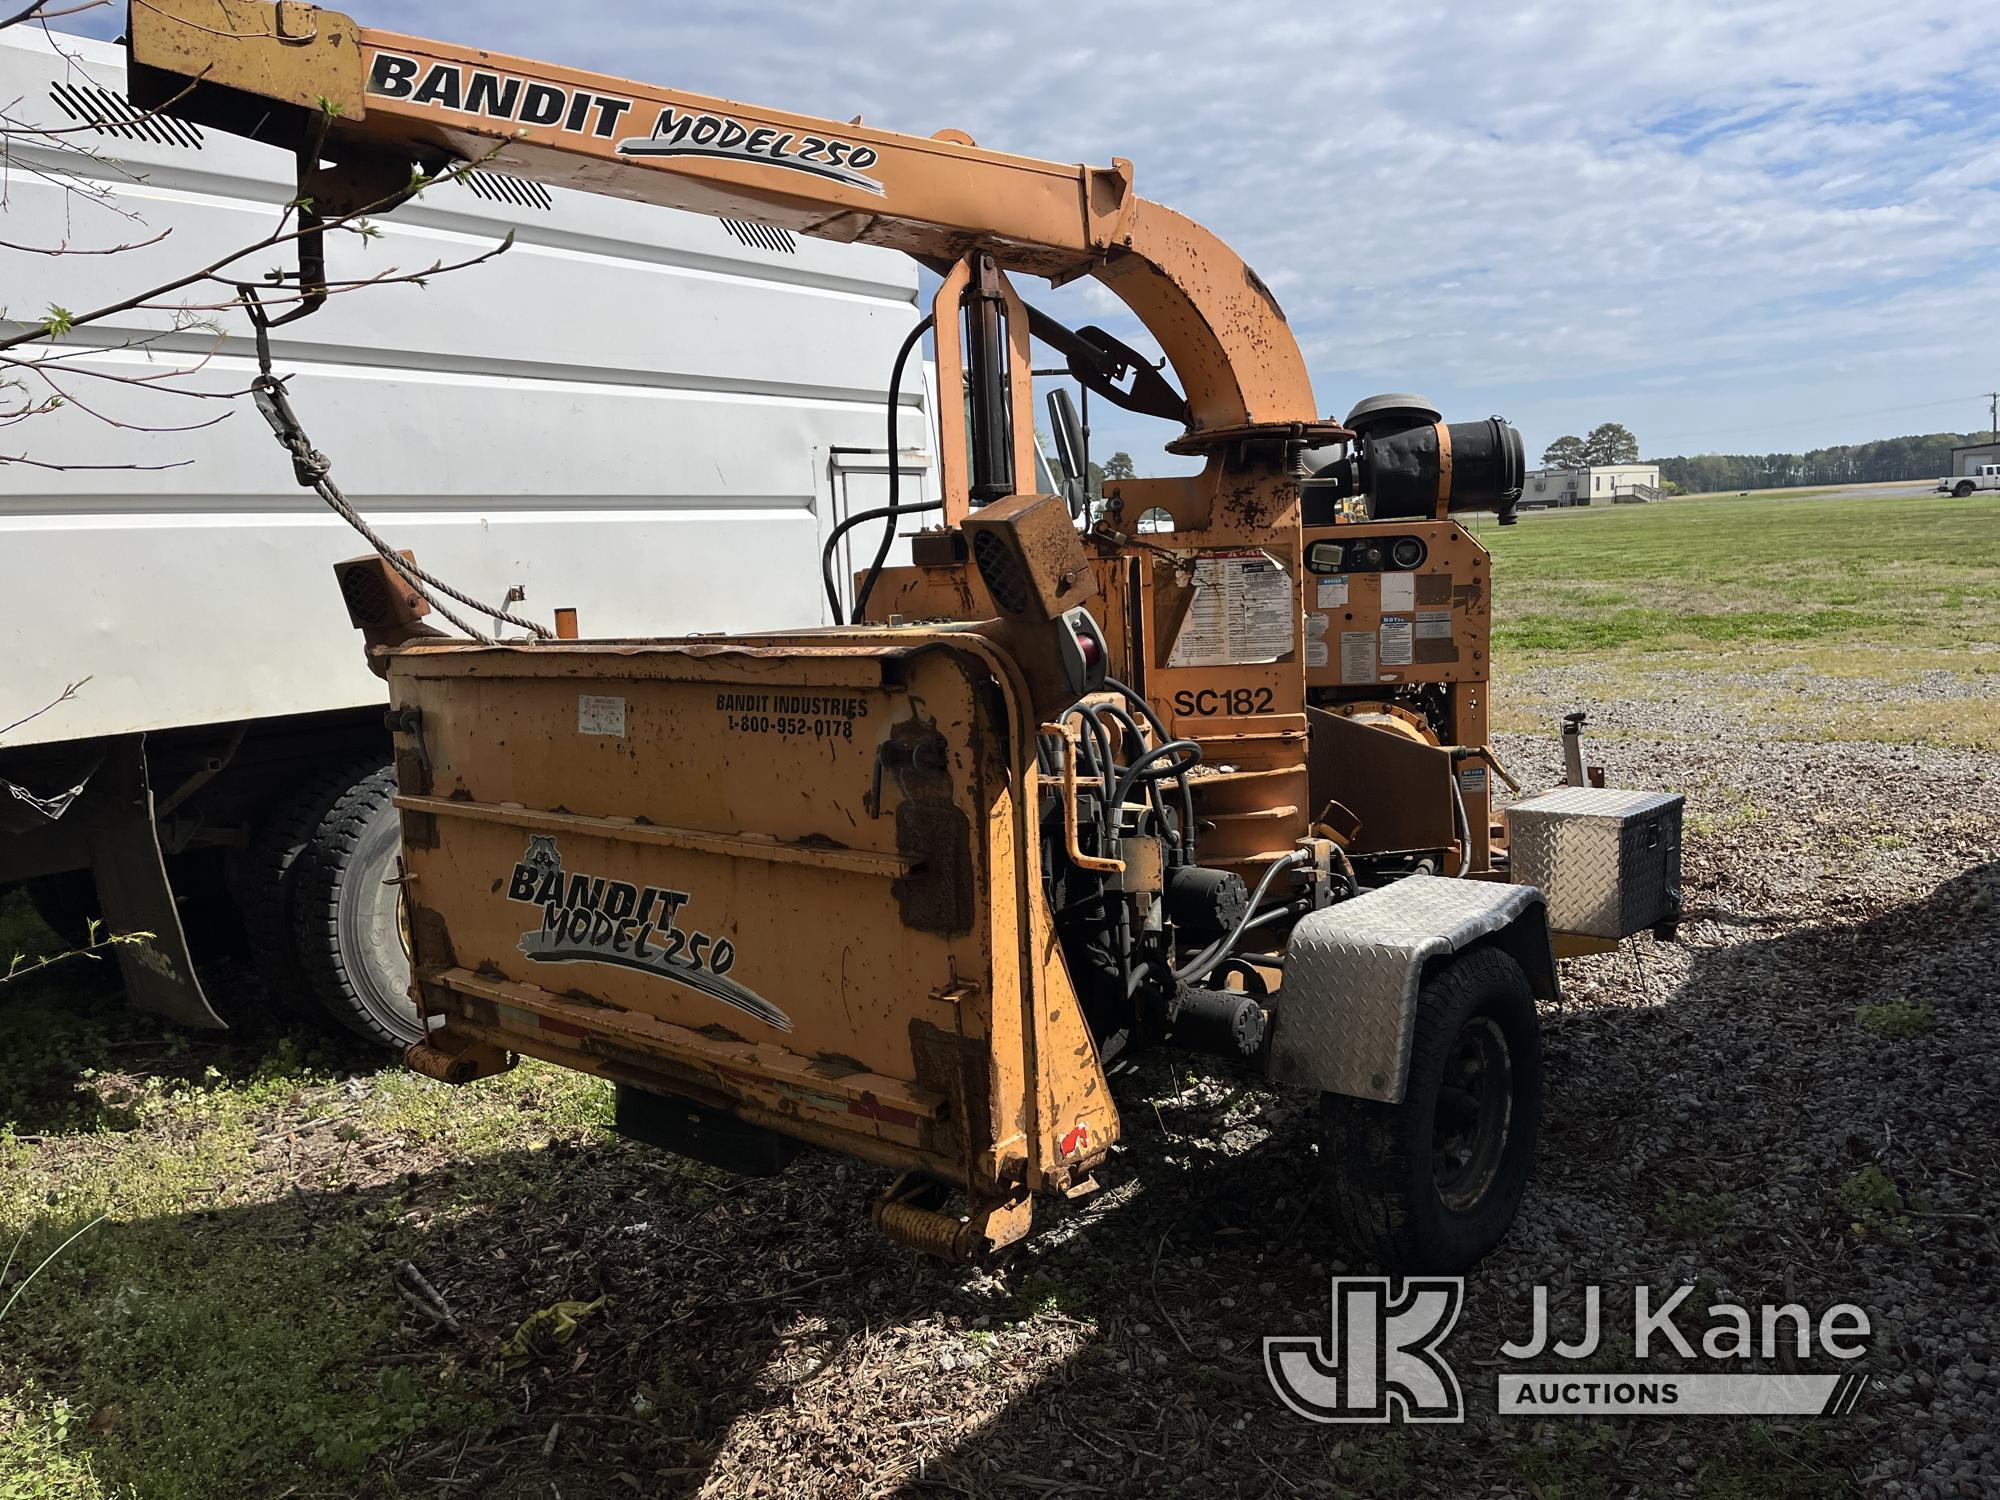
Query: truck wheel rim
[[1475, 1107]]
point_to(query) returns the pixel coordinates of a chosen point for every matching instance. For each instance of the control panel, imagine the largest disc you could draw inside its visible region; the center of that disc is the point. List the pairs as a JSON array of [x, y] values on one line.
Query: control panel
[[1393, 603]]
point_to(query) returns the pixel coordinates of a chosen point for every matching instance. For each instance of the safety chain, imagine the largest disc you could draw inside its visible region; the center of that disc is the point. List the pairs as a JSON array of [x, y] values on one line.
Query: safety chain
[[311, 467]]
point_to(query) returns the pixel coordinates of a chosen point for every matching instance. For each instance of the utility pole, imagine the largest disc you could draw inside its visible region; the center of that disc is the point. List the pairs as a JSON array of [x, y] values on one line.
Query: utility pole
[[1993, 411]]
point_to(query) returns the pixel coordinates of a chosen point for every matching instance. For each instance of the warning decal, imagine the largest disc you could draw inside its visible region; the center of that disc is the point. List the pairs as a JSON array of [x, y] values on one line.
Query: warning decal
[[1240, 611]]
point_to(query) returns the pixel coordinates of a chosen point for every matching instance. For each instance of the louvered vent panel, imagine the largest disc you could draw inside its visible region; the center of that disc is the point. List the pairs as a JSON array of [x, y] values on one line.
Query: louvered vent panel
[[762, 236], [498, 187], [113, 114]]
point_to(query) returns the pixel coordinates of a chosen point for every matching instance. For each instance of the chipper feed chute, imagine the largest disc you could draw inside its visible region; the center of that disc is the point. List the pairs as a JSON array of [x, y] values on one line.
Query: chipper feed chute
[[790, 881]]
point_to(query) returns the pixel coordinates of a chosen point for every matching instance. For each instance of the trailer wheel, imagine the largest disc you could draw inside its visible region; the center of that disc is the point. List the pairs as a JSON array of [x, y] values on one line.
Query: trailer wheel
[[1432, 1184], [264, 878], [347, 914]]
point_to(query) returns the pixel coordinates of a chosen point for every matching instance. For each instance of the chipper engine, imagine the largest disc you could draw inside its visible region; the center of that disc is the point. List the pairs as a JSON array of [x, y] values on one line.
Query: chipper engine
[[1203, 765]]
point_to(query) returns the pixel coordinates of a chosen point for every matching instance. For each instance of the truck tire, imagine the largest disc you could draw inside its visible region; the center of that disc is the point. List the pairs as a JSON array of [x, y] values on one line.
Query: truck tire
[[1963, 488], [264, 877], [347, 914], [1432, 1184]]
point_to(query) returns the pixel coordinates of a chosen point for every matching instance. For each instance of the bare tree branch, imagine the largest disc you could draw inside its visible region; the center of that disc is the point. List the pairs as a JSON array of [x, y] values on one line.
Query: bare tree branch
[[69, 398], [389, 276], [40, 359], [39, 11], [28, 13], [73, 250], [60, 698], [36, 463], [352, 222]]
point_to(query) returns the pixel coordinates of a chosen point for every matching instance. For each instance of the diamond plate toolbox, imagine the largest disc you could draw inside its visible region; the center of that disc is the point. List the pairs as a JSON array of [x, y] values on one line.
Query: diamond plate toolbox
[[1609, 861]]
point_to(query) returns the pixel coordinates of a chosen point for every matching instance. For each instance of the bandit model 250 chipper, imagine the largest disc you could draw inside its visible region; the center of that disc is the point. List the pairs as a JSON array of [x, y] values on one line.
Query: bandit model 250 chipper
[[1203, 765]]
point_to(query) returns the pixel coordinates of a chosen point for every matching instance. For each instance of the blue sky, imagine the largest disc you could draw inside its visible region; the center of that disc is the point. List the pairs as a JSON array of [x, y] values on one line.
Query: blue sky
[[1744, 227]]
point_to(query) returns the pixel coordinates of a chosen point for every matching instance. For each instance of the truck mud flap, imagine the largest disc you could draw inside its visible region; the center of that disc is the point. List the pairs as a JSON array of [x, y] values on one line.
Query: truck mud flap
[[133, 892]]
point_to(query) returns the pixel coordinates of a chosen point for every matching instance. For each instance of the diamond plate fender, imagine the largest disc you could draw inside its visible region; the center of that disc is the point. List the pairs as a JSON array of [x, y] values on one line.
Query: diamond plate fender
[[1348, 1007]]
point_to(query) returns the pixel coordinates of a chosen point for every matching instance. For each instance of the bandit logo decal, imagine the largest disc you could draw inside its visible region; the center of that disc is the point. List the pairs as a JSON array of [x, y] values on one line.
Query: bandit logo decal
[[587, 919], [497, 96], [582, 112], [678, 133]]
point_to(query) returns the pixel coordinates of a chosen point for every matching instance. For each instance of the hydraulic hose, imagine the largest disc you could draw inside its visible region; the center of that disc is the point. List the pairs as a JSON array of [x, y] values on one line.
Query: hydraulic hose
[[833, 541], [895, 508], [1101, 711], [1211, 957], [1463, 826], [1161, 737], [1138, 768]]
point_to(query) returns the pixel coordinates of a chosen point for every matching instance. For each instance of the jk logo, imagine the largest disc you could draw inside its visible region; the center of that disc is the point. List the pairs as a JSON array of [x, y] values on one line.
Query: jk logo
[[1380, 1363]]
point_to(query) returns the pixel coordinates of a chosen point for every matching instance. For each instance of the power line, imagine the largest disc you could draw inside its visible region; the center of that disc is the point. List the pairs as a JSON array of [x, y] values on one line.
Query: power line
[[1839, 416]]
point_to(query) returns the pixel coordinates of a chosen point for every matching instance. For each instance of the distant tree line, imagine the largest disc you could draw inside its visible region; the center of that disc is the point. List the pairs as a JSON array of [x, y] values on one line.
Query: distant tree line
[[1920, 457]]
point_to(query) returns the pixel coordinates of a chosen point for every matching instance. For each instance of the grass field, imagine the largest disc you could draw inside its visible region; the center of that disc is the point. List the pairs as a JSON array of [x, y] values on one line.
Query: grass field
[[227, 1216], [1828, 608]]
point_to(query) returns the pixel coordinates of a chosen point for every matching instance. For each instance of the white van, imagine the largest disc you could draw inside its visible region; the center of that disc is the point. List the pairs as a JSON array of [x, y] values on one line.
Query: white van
[[652, 417]]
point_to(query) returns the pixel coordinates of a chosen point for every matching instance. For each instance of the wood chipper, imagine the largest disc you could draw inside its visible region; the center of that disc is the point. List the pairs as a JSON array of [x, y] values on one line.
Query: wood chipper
[[1202, 765]]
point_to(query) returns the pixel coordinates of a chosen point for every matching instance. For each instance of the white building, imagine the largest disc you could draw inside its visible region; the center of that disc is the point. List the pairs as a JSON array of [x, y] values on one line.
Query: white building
[[1601, 484]]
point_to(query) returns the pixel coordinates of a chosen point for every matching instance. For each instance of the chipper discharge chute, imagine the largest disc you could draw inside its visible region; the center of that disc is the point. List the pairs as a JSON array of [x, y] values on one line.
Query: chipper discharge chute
[[1199, 761]]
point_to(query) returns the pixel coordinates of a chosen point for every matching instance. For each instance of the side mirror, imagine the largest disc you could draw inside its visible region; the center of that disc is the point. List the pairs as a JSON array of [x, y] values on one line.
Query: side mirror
[[1068, 430]]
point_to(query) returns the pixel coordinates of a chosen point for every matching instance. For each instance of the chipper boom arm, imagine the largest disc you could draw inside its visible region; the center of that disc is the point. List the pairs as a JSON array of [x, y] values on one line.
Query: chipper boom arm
[[1208, 769]]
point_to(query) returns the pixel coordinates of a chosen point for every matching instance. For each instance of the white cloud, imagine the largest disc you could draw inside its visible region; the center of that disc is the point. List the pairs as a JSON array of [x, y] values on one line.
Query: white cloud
[[1689, 217]]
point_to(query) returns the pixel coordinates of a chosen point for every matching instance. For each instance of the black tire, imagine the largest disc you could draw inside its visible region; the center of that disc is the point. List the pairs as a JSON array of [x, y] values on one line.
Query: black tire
[[264, 878], [1420, 1189], [347, 915], [1963, 488]]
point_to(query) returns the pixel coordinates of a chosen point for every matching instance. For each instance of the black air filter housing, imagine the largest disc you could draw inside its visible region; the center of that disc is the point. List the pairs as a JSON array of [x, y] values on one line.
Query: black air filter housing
[[1404, 460], [1403, 470]]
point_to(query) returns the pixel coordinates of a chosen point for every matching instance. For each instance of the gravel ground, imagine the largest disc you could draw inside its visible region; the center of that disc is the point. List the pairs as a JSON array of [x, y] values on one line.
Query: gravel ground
[[1710, 1099], [1718, 1114], [1731, 1066]]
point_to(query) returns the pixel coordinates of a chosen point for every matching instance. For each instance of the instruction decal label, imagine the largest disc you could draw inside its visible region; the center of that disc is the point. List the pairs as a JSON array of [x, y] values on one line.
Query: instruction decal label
[[1357, 656], [1397, 641], [1241, 612], [597, 714], [587, 919]]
